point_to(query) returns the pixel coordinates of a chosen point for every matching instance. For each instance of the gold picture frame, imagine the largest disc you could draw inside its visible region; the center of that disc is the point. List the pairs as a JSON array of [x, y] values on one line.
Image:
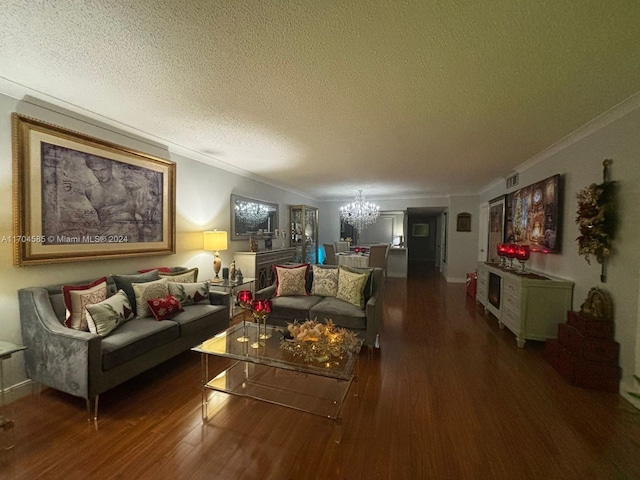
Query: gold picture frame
[[76, 197]]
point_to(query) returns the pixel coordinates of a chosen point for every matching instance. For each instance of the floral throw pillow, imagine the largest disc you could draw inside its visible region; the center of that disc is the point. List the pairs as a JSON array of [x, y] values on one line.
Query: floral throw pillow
[[351, 286], [164, 308], [186, 276], [76, 299], [190, 293], [325, 281], [291, 281], [147, 291], [106, 316]]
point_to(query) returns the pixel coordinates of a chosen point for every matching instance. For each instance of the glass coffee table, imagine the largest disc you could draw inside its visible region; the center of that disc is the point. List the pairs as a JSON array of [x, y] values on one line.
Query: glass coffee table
[[274, 375]]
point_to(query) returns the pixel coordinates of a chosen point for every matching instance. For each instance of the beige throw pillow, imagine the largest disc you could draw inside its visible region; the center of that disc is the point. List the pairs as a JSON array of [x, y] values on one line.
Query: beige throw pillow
[[106, 316], [291, 281], [148, 291], [187, 276], [351, 286], [325, 281]]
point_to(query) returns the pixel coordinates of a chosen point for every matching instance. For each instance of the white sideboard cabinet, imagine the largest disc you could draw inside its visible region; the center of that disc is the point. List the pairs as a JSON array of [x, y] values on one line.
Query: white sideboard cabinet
[[259, 265], [529, 304]]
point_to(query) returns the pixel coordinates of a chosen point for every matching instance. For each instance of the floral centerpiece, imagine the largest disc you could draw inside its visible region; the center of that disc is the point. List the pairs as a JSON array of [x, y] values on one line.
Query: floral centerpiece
[[315, 341]]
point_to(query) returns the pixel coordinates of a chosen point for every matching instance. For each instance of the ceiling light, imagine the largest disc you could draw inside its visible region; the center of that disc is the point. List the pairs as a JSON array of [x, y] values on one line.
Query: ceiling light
[[360, 213]]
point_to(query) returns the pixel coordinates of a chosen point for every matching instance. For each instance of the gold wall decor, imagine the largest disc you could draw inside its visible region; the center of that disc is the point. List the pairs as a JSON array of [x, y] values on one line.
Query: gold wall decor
[[76, 197]]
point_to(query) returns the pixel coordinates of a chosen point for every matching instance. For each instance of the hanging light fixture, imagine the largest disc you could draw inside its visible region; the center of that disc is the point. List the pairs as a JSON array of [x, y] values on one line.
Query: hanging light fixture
[[360, 213], [253, 214]]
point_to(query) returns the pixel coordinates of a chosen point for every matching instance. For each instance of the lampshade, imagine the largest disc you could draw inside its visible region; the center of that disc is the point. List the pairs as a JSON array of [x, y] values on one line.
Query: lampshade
[[215, 240]]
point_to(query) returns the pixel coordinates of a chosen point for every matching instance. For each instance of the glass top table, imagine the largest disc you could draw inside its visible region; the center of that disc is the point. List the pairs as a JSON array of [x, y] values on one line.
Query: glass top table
[[6, 350], [275, 375]]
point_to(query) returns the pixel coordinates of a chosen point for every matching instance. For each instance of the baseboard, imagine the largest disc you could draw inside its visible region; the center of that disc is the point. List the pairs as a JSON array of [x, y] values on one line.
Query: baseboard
[[456, 280], [396, 274], [625, 394], [19, 390]]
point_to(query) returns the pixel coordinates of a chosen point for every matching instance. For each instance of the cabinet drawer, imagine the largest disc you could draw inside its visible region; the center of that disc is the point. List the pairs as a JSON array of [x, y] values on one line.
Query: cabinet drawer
[[511, 319], [512, 302], [511, 290]]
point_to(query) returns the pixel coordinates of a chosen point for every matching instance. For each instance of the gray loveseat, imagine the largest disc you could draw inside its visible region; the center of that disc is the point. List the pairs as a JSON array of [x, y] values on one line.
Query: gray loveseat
[[365, 322], [84, 364]]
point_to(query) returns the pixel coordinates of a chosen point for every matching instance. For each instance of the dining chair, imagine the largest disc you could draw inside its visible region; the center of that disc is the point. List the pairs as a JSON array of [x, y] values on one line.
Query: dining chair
[[330, 254], [342, 247], [378, 255]]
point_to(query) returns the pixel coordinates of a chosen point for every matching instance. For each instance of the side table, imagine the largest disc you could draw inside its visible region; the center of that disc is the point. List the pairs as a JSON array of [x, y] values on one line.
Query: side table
[[230, 285], [6, 350]]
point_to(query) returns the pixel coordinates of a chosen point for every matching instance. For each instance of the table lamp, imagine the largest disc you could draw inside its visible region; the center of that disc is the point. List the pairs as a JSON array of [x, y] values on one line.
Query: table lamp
[[215, 241]]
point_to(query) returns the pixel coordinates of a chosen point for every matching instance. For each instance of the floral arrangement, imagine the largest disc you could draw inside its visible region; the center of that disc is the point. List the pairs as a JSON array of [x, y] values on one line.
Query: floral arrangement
[[314, 341], [596, 220]]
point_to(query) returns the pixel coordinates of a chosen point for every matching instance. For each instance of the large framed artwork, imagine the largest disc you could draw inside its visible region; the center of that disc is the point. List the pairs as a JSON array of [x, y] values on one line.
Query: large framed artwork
[[76, 197], [533, 215], [496, 228]]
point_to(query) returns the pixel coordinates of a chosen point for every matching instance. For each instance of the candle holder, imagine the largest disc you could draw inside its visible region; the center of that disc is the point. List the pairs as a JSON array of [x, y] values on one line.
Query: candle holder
[[244, 301], [522, 254], [261, 310], [502, 252], [511, 254]]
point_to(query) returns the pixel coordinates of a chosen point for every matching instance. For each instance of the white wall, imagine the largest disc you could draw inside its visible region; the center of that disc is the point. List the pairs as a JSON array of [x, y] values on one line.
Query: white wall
[[462, 247], [203, 203], [578, 158]]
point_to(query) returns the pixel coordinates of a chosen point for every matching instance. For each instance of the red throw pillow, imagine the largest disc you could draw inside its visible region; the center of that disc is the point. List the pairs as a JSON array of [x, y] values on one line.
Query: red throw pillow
[[160, 269], [164, 308]]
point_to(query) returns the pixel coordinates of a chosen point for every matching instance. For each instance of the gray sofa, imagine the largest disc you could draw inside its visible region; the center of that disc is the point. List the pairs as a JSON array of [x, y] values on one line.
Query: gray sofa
[[84, 364], [365, 322]]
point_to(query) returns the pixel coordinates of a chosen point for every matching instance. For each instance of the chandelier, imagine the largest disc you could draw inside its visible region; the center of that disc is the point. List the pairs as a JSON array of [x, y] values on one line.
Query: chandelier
[[252, 214], [360, 213]]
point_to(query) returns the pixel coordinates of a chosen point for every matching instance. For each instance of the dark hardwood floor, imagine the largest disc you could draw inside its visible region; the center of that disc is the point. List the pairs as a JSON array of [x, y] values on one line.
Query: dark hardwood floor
[[448, 396]]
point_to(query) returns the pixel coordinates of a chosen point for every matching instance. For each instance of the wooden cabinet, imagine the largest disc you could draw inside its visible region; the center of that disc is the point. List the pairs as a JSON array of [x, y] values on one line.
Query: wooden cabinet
[[304, 233], [259, 265], [531, 305]]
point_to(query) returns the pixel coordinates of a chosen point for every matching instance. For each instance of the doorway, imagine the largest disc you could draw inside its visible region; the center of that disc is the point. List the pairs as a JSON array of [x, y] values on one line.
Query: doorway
[[423, 246]]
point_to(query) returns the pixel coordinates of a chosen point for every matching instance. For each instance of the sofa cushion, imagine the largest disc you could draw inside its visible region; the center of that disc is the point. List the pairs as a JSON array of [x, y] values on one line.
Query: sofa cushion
[[190, 293], [136, 337], [76, 299], [195, 318], [351, 286], [123, 282], [291, 280], [164, 308], [342, 313], [186, 276], [147, 291], [325, 281], [293, 308], [106, 316], [369, 286]]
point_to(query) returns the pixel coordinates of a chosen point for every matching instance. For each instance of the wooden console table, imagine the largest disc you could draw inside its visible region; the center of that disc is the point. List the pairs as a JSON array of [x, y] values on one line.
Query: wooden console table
[[531, 305]]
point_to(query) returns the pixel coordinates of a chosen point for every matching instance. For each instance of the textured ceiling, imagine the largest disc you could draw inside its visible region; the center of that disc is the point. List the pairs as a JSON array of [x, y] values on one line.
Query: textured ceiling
[[398, 98]]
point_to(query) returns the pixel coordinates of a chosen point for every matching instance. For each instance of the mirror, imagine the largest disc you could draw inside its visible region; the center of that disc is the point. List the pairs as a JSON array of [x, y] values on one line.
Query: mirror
[[252, 217]]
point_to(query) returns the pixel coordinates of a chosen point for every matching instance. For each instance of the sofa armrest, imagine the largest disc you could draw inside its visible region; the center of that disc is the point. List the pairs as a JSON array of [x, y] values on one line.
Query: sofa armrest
[[57, 356], [266, 293], [218, 297]]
